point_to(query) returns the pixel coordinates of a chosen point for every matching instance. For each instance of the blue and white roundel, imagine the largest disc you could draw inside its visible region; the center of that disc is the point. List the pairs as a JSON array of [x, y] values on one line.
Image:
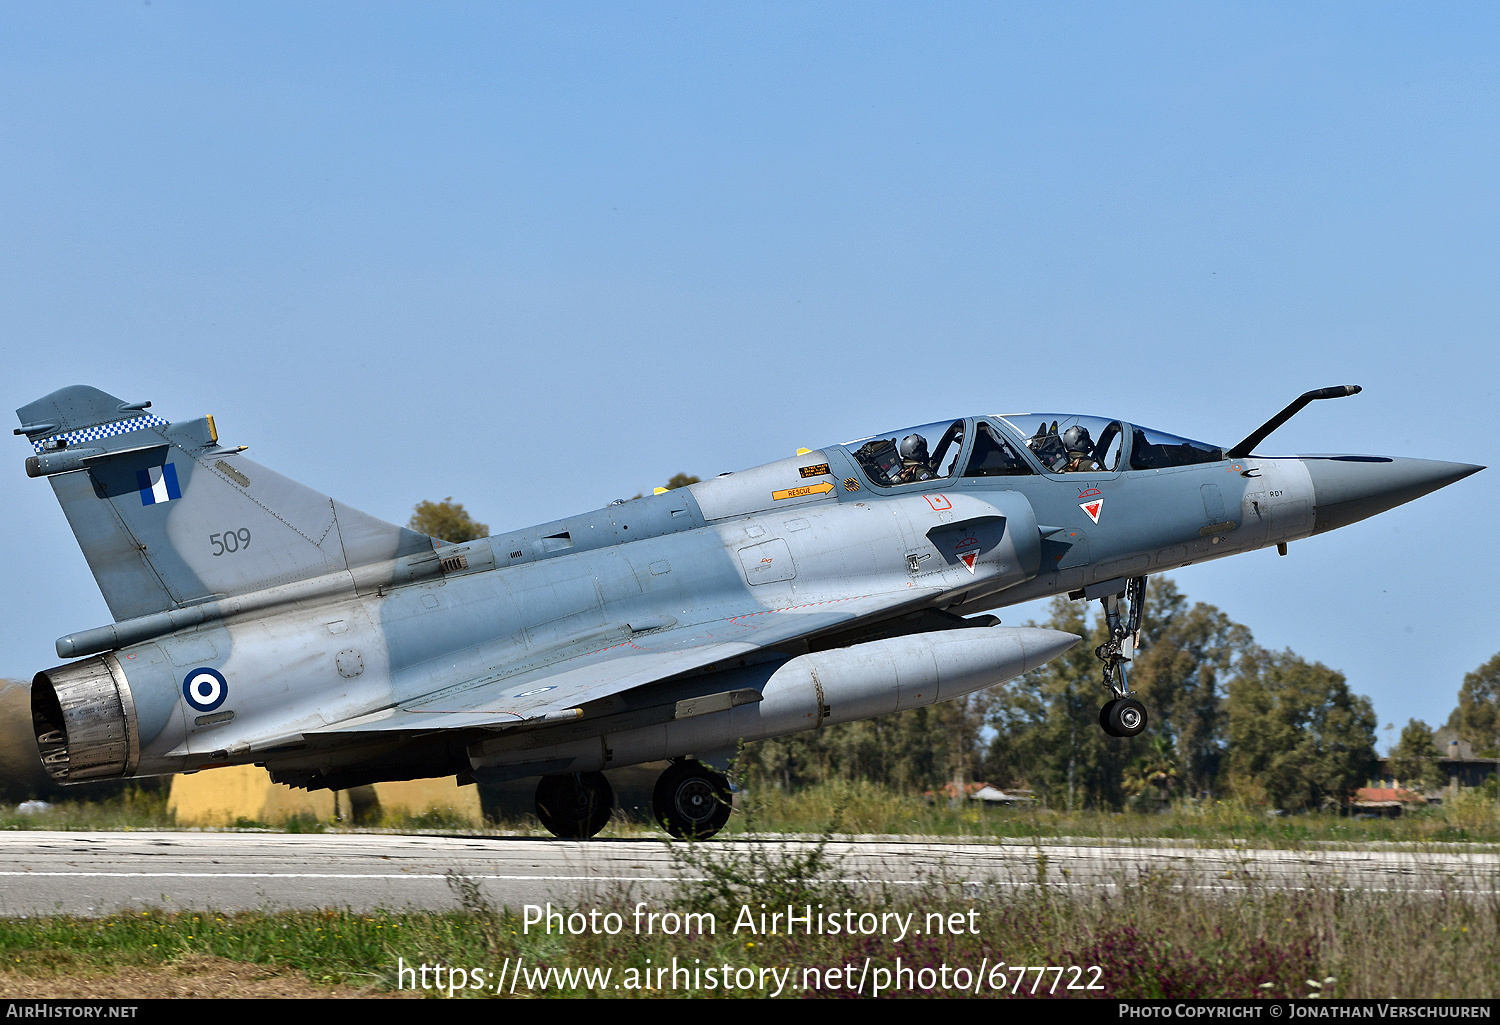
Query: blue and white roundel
[[205, 689]]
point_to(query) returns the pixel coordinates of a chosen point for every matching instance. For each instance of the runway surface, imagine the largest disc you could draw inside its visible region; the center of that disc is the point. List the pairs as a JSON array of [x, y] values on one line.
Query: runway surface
[[100, 873]]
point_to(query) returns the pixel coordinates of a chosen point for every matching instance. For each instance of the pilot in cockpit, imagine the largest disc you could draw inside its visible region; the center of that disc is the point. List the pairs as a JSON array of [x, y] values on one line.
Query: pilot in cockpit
[[1080, 449], [915, 465]]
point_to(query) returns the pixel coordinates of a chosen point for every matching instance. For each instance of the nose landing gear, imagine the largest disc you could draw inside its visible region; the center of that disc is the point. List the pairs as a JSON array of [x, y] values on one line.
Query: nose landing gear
[[1123, 715]]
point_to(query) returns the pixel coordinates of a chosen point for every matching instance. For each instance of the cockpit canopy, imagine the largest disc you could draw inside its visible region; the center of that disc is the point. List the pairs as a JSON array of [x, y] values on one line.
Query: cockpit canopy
[[1056, 443], [912, 455], [1152, 450], [1071, 444]]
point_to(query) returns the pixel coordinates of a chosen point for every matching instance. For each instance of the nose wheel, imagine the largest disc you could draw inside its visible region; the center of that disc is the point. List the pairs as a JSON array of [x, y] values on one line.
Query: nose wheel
[[1122, 717], [574, 805], [691, 801]]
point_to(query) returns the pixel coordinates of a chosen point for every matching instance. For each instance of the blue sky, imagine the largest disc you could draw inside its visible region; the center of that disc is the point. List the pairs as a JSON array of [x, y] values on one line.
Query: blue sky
[[537, 257]]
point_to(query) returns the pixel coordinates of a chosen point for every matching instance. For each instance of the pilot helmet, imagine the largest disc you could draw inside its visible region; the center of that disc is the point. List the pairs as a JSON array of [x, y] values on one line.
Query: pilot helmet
[[914, 447], [1076, 439]]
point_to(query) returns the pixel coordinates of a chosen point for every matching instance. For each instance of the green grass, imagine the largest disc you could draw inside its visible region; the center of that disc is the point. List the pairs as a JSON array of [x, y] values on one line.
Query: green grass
[[1149, 940], [134, 808], [864, 808]]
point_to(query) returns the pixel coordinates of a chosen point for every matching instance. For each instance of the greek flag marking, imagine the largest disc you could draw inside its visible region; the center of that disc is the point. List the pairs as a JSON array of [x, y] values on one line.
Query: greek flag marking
[[158, 484]]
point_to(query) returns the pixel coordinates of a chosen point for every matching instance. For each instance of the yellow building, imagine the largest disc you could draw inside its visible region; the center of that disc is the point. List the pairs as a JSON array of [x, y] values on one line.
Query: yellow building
[[221, 797]]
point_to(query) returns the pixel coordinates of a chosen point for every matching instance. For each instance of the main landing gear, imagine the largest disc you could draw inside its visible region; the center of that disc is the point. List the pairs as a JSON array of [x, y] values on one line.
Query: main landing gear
[[1122, 715], [691, 801], [574, 805]]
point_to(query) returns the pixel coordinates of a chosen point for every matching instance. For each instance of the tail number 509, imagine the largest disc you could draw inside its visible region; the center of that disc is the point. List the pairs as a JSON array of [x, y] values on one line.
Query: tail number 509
[[230, 541]]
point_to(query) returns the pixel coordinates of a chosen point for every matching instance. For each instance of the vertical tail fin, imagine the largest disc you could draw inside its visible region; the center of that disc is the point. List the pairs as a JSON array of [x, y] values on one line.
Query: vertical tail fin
[[167, 517]]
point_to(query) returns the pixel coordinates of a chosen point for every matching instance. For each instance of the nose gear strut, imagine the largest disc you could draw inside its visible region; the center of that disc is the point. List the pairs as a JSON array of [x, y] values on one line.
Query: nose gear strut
[[1123, 715]]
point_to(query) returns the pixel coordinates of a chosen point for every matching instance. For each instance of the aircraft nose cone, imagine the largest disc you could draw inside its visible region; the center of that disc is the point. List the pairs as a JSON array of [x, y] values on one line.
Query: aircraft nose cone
[[1042, 645], [1350, 488]]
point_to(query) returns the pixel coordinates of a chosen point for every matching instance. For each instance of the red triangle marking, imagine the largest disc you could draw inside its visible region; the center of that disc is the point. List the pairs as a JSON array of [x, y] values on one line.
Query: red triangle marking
[[967, 558], [1093, 508]]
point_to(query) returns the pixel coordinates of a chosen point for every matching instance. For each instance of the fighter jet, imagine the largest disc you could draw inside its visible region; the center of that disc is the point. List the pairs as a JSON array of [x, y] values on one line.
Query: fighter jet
[[258, 621]]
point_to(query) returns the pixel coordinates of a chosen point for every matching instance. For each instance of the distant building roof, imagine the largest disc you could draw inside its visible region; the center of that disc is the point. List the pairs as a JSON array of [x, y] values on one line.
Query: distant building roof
[[1453, 748], [1386, 797], [978, 791], [994, 796]]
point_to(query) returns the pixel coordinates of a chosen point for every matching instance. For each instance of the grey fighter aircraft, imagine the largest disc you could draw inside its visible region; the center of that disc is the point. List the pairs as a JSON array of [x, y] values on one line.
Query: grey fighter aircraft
[[258, 621]]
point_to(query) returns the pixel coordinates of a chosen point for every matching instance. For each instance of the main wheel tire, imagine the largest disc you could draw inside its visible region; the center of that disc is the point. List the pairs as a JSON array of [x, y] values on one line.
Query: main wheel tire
[[691, 801], [574, 805], [1109, 706], [1127, 717]]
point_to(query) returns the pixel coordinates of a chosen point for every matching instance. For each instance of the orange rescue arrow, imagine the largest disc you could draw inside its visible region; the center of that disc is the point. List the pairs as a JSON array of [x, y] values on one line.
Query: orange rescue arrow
[[821, 488]]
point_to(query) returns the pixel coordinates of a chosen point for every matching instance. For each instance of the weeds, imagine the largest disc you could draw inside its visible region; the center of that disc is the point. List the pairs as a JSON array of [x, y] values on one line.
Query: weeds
[[723, 877], [431, 819], [866, 808], [1473, 816], [1157, 939], [1154, 938]]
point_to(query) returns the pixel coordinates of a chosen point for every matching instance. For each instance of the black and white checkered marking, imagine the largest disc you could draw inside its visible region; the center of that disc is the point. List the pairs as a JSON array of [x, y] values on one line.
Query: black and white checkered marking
[[100, 431]]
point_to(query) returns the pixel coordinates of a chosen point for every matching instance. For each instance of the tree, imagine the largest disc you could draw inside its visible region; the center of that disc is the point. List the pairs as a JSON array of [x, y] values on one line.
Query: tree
[[920, 748], [1477, 717], [446, 520], [1152, 780], [1046, 724], [1298, 738], [1414, 760], [1288, 731], [678, 480], [1186, 654]]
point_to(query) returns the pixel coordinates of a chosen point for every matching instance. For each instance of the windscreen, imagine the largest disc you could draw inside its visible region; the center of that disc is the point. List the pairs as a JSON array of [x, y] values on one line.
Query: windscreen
[[1154, 450], [995, 455]]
